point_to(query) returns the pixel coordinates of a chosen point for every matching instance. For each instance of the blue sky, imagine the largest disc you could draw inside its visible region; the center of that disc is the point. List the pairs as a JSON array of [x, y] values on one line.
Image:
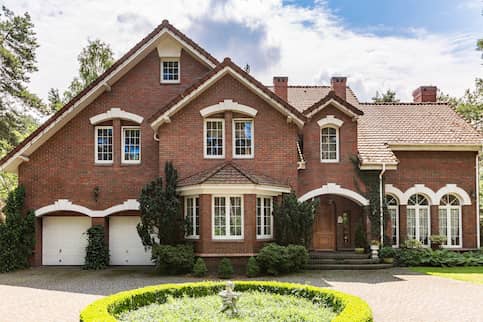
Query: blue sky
[[377, 44]]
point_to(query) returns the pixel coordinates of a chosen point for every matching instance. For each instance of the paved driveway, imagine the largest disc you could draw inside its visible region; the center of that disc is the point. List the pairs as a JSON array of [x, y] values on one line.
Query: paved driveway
[[58, 294]]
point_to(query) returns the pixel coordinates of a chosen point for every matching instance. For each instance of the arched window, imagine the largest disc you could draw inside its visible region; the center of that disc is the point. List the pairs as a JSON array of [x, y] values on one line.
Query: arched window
[[418, 218], [393, 209], [329, 144], [450, 220]]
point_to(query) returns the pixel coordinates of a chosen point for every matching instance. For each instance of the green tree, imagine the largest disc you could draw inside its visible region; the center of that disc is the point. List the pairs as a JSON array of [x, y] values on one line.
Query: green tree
[[161, 219], [388, 97], [94, 60]]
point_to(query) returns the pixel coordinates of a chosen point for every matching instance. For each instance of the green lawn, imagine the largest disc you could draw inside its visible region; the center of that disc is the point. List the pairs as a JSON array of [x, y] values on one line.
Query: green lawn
[[473, 274]]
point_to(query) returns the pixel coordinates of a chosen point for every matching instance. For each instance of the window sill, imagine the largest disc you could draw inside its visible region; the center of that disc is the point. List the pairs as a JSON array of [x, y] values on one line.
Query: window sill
[[242, 157], [228, 240], [130, 163], [192, 237], [329, 161], [103, 164], [264, 238], [170, 82], [214, 157]]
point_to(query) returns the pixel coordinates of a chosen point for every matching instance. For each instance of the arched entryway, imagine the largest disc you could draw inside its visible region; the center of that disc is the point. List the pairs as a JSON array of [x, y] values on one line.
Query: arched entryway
[[338, 216]]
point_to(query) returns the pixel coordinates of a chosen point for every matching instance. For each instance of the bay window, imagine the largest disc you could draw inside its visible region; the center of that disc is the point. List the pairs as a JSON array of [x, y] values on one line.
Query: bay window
[[227, 217], [264, 217], [192, 217]]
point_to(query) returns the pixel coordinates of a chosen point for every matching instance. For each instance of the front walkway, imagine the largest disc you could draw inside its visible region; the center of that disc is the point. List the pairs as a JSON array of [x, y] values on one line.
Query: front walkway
[[58, 294]]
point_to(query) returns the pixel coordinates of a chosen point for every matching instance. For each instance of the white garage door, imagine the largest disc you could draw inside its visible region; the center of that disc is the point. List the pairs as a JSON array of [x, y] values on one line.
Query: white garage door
[[64, 241], [125, 246]]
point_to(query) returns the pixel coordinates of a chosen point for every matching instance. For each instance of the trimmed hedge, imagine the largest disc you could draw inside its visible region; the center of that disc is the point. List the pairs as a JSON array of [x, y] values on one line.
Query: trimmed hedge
[[429, 257], [275, 259], [349, 308]]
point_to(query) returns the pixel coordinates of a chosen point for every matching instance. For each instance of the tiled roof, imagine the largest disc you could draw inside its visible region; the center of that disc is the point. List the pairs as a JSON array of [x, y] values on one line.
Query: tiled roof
[[228, 173]]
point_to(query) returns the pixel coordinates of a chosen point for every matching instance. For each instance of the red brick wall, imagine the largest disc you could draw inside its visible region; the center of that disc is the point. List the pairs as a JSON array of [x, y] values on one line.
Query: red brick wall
[[317, 173], [63, 168], [435, 170]]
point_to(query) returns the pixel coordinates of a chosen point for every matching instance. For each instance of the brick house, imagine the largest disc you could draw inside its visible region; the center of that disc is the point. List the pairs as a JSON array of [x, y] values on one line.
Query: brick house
[[238, 145]]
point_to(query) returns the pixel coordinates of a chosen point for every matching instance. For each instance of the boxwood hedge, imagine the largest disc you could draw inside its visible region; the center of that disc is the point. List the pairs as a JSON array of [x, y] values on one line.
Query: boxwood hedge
[[349, 308]]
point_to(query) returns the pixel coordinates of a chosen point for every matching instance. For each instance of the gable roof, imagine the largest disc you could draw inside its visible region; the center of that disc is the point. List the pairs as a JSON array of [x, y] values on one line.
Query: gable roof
[[21, 152], [340, 103], [228, 173], [226, 67]]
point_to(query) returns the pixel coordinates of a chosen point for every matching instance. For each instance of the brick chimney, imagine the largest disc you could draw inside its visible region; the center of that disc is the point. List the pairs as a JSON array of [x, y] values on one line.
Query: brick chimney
[[425, 94], [280, 84], [339, 86]]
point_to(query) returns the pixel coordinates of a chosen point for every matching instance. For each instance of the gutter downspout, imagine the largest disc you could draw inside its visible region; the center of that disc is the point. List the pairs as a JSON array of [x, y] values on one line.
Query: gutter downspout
[[478, 227], [381, 203]]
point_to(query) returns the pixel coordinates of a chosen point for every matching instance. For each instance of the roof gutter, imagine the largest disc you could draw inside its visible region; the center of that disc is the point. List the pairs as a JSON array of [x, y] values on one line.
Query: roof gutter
[[381, 208]]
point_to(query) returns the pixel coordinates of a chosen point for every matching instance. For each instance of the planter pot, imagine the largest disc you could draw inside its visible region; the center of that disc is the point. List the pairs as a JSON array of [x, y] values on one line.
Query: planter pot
[[388, 260], [359, 250], [374, 251]]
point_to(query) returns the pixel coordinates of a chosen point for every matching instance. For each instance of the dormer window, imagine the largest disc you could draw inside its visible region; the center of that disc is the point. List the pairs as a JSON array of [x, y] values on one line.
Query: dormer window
[[170, 72], [329, 138]]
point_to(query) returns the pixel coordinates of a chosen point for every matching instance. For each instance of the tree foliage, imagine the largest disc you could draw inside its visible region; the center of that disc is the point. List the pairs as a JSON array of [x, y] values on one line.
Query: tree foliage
[[293, 221], [388, 97], [17, 234], [94, 59], [161, 219]]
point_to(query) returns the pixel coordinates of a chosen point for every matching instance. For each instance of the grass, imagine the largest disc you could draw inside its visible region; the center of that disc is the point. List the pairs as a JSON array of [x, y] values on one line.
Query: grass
[[472, 274], [252, 306]]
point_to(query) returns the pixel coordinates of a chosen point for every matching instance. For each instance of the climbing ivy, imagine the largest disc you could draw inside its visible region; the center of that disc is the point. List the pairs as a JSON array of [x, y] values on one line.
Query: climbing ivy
[[97, 252]]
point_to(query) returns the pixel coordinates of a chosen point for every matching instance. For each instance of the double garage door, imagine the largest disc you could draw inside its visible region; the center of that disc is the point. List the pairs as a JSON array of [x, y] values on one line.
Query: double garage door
[[64, 241]]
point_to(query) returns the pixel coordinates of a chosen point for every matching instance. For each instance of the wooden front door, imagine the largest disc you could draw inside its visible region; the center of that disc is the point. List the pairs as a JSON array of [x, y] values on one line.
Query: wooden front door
[[324, 236], [344, 235]]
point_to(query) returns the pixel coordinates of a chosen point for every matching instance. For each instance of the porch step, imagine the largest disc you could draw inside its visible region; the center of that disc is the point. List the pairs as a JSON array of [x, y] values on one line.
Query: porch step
[[354, 261], [346, 266], [338, 255]]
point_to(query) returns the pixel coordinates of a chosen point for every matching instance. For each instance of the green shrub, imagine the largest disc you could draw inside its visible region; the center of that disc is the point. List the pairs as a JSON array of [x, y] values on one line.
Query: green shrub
[[252, 267], [97, 252], [360, 237], [412, 243], [225, 269], [173, 259], [387, 252], [428, 257], [349, 308], [200, 270], [275, 259], [17, 233]]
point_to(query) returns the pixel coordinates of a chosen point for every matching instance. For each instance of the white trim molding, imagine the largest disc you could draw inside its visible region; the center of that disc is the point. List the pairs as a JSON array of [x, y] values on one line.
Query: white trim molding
[[335, 189], [66, 205], [330, 120], [433, 197], [256, 189], [434, 147], [228, 105], [337, 105], [116, 113]]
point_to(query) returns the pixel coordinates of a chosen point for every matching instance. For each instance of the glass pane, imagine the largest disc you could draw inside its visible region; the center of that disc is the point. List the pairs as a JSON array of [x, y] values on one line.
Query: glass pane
[[424, 226], [411, 223]]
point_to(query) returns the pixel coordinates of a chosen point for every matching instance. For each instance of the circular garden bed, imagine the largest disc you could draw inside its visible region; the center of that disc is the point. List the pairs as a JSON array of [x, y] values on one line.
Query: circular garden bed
[[259, 301]]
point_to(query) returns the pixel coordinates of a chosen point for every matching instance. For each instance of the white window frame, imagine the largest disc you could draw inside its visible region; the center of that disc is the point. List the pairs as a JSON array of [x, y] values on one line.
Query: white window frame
[[448, 209], [396, 208], [336, 160], [227, 235], [417, 215], [123, 144], [205, 145], [242, 156], [191, 235], [170, 59], [96, 160], [262, 219]]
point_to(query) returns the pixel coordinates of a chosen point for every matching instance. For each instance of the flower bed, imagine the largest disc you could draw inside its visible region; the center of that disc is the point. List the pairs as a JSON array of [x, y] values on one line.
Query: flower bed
[[347, 307]]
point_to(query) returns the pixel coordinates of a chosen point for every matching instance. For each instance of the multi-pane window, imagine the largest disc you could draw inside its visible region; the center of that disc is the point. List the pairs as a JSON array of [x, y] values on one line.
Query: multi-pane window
[[227, 217], [264, 217], [103, 137], [192, 216], [170, 71], [214, 138], [450, 220], [329, 145], [243, 138], [418, 218], [131, 145], [393, 210]]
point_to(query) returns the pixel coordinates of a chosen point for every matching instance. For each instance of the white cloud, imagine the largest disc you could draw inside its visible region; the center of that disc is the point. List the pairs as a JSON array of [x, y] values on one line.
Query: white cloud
[[306, 44]]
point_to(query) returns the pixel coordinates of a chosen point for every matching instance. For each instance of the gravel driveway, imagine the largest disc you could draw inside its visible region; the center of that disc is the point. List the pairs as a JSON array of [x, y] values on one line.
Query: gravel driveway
[[58, 294]]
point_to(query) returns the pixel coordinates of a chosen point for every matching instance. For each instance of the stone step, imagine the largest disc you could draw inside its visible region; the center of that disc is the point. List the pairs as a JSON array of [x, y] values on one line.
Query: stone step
[[355, 261], [338, 255], [346, 266]]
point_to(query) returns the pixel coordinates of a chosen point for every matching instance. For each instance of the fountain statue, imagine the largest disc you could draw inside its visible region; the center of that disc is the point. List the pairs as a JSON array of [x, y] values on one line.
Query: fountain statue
[[229, 299]]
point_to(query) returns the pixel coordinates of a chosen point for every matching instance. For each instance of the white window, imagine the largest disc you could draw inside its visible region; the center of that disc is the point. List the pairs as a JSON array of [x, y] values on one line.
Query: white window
[[329, 144], [103, 144], [192, 216], [450, 220], [393, 210], [243, 138], [131, 144], [418, 219], [227, 217], [214, 141], [264, 217], [170, 70]]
